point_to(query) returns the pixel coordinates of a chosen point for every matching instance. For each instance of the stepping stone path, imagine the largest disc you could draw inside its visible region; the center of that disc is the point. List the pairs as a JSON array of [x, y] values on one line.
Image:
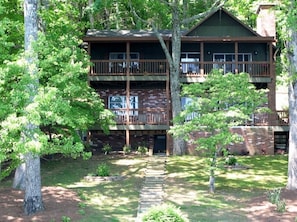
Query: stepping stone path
[[152, 191]]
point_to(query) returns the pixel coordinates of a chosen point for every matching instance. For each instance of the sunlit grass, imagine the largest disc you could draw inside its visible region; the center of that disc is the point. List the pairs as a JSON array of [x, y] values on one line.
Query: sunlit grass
[[105, 201], [187, 185]]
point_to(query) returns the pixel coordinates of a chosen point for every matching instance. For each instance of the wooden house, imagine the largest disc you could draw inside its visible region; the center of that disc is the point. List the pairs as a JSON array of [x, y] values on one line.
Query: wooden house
[[131, 74]]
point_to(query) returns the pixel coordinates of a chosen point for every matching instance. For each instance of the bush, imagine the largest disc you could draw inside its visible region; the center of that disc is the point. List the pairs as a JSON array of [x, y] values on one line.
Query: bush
[[230, 160], [106, 148], [103, 170], [142, 150], [164, 213], [274, 197], [126, 149]]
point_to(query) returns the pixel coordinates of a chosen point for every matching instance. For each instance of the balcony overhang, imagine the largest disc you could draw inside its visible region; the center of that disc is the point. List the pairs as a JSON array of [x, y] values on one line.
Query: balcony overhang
[[135, 127], [126, 78]]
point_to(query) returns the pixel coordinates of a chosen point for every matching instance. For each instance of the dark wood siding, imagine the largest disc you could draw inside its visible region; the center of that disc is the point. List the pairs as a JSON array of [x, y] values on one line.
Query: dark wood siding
[[221, 24]]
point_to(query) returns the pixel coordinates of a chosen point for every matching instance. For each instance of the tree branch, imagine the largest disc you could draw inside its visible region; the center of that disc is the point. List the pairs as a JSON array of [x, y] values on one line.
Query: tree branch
[[218, 4], [155, 31]]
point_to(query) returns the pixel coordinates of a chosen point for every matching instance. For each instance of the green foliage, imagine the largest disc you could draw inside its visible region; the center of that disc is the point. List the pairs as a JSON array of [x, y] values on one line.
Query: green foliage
[[219, 103], [106, 149], [11, 30], [245, 10], [274, 197], [65, 104], [127, 149], [103, 170], [230, 160], [81, 195], [66, 219], [142, 150], [164, 213]]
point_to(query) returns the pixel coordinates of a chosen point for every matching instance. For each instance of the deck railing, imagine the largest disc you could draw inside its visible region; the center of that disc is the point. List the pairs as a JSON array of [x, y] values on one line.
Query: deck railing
[[160, 117], [160, 67], [134, 67], [141, 116]]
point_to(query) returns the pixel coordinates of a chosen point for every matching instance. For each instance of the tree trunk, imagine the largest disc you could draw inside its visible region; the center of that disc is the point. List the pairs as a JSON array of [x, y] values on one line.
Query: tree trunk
[[292, 164], [178, 143], [33, 199], [211, 182], [212, 173], [19, 175], [91, 14]]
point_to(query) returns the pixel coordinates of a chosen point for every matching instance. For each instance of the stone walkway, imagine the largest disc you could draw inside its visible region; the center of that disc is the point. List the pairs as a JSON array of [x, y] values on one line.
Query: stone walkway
[[152, 191]]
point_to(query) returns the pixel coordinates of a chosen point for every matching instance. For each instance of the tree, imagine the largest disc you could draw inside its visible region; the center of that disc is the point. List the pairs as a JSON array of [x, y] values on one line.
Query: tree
[[33, 198], [288, 34], [216, 105], [175, 8], [43, 111]]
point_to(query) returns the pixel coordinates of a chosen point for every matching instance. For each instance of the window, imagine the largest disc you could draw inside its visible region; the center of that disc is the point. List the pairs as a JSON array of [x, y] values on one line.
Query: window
[[184, 102], [119, 103], [226, 62], [190, 62], [118, 65]]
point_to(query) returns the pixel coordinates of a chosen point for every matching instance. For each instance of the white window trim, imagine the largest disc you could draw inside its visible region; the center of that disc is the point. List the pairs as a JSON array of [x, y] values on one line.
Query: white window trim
[[123, 101], [190, 65], [226, 67]]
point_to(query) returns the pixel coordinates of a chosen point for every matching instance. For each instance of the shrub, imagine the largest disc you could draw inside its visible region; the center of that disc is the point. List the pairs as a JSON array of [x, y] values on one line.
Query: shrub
[[164, 213], [230, 160], [103, 170], [66, 219], [142, 150], [274, 197], [281, 206], [106, 148], [126, 149]]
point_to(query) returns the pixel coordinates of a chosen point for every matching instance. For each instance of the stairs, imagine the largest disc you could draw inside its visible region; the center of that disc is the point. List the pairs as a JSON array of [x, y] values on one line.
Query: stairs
[[152, 192]]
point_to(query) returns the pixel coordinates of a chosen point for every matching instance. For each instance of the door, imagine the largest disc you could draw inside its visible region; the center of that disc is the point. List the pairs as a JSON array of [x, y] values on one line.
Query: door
[[160, 144]]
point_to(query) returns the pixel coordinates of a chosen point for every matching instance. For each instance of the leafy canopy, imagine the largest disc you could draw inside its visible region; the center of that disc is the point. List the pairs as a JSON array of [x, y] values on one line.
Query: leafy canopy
[[220, 102], [64, 104]]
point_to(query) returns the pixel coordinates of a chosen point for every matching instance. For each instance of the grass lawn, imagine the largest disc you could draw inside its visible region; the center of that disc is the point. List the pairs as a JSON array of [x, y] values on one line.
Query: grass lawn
[[110, 201], [186, 185]]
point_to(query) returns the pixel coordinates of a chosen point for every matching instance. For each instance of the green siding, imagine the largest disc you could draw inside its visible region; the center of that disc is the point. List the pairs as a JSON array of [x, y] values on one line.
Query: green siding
[[221, 24]]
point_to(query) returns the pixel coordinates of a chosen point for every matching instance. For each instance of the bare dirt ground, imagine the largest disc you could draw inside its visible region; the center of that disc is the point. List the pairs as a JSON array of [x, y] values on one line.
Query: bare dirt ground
[[61, 202], [260, 209], [58, 202]]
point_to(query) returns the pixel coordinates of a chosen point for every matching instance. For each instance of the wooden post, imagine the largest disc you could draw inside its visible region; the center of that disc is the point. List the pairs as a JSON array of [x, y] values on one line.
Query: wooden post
[[202, 58], [128, 93], [236, 57]]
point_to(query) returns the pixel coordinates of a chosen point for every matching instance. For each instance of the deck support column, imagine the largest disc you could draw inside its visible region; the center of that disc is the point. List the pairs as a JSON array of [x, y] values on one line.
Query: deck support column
[[272, 84], [127, 137], [168, 99], [201, 58], [128, 93], [236, 57]]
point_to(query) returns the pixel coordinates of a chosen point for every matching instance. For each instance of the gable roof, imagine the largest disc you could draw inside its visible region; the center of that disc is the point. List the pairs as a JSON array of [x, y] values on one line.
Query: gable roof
[[221, 23], [218, 26]]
